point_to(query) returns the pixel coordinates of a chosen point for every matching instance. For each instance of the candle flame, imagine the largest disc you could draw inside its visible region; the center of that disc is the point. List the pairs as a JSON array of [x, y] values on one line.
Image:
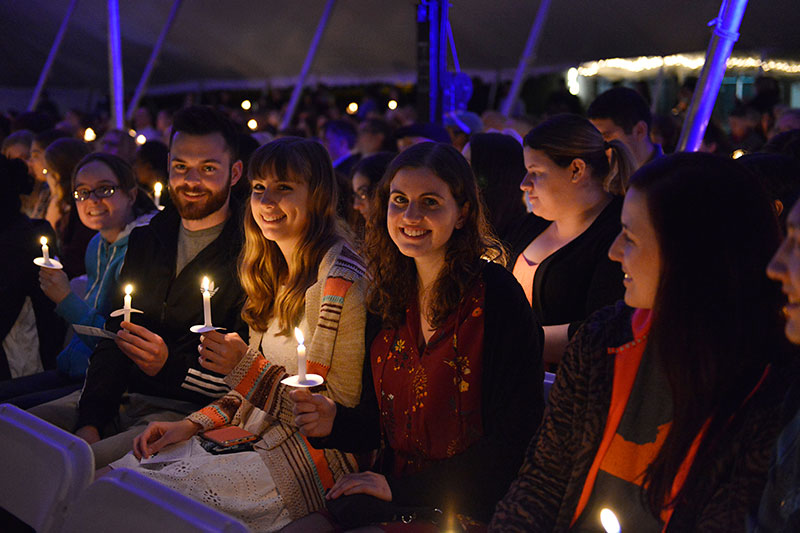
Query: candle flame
[[204, 286], [157, 187], [298, 335], [128, 289], [43, 240], [609, 521], [89, 135]]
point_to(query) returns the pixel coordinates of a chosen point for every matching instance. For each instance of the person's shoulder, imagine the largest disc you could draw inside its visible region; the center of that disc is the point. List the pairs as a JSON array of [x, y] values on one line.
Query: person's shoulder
[[497, 275], [610, 325], [344, 263]]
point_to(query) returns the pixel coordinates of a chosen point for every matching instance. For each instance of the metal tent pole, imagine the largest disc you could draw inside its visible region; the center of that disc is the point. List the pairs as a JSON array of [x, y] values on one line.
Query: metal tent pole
[[37, 92], [527, 56], [115, 66], [431, 58], [148, 69], [726, 32], [312, 51]]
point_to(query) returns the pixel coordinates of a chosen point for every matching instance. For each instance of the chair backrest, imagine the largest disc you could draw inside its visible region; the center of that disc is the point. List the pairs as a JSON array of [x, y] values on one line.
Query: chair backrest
[[43, 469], [125, 501]]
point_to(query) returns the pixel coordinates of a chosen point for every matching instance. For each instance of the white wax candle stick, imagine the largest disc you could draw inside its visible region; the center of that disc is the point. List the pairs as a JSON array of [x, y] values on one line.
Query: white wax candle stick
[[301, 356], [126, 305], [45, 249], [157, 193], [206, 303]]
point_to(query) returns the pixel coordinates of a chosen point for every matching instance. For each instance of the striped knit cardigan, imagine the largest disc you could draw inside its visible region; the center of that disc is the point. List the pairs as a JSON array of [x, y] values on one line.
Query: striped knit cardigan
[[260, 403]]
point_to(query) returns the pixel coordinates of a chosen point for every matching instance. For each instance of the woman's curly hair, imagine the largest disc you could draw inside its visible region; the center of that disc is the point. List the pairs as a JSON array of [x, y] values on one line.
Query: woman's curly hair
[[394, 274]]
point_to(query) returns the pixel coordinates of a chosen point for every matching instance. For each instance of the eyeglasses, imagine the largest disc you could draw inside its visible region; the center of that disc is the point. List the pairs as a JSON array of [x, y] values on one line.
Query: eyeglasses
[[104, 191]]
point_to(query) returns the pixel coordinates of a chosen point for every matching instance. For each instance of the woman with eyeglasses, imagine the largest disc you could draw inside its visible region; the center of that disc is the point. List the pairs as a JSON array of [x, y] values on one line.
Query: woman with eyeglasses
[[107, 201]]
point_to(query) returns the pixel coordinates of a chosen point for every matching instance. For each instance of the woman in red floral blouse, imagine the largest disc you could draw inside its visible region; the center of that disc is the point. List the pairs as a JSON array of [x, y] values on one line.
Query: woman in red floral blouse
[[453, 390]]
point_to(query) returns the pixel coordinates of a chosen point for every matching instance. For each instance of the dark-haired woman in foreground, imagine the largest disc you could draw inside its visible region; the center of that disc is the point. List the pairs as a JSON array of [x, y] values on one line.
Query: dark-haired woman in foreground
[[453, 388], [664, 408]]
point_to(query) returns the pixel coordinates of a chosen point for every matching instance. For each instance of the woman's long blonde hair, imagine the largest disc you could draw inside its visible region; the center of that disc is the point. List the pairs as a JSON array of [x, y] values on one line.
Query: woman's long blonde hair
[[272, 292]]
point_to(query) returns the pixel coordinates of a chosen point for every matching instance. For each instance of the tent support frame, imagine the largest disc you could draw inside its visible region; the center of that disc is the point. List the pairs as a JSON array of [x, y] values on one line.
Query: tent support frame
[[726, 33], [148, 69], [312, 51], [116, 87], [37, 92]]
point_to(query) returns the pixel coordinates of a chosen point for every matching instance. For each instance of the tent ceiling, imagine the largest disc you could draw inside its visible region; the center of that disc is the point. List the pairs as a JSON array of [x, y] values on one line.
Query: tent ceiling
[[242, 40]]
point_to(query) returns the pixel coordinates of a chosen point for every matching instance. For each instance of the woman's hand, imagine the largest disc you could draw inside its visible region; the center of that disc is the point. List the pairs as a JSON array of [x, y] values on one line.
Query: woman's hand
[[361, 483], [54, 284], [313, 413], [159, 434], [221, 352]]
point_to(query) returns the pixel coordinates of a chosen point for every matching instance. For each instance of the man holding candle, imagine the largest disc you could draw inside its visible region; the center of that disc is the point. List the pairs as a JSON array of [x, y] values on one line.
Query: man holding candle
[[154, 359]]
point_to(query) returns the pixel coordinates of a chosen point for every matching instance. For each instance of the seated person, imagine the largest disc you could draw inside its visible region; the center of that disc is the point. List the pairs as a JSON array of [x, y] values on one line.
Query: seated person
[[31, 334], [560, 254], [154, 357], [107, 201], [453, 378], [297, 270], [664, 407], [780, 508]]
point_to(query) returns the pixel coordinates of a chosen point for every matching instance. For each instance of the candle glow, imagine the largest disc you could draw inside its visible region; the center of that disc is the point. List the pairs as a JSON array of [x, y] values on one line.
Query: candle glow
[[392, 104], [609, 521], [252, 124], [157, 193], [207, 286], [301, 355], [141, 139], [89, 135], [126, 303], [352, 108], [45, 249], [246, 105]]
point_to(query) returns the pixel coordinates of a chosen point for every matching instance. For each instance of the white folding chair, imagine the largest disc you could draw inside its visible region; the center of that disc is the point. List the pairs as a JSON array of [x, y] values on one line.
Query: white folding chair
[[125, 501], [42, 469]]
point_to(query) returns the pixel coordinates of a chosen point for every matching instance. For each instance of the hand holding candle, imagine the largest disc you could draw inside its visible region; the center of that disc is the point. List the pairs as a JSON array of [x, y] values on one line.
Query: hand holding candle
[[301, 355]]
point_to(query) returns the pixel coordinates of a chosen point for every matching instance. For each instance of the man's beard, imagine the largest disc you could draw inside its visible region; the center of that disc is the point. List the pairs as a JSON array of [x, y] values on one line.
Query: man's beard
[[199, 209]]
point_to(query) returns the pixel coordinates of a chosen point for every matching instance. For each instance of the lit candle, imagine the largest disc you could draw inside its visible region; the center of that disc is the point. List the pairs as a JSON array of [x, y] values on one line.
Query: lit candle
[[126, 305], [207, 301], [157, 193], [301, 356], [45, 249], [609, 521]]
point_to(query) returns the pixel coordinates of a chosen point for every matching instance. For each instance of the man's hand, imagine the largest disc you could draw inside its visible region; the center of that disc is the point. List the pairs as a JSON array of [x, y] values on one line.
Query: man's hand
[[89, 434], [313, 413], [361, 483], [221, 352], [160, 434], [54, 284], [143, 347]]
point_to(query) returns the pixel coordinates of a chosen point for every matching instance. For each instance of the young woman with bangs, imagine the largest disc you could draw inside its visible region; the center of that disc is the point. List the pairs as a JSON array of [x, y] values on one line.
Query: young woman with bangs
[[298, 270], [453, 382]]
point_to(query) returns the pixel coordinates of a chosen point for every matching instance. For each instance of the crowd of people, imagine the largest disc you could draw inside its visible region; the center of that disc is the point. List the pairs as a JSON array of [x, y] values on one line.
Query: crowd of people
[[426, 275]]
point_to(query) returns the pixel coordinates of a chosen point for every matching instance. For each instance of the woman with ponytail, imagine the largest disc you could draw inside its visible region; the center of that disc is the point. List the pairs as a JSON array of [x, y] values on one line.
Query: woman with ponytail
[[573, 185]]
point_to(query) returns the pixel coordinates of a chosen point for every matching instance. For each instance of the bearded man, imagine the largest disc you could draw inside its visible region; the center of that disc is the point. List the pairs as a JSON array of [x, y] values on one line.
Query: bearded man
[[151, 370]]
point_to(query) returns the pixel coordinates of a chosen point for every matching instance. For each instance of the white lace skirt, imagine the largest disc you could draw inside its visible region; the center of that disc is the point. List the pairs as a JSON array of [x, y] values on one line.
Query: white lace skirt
[[238, 484]]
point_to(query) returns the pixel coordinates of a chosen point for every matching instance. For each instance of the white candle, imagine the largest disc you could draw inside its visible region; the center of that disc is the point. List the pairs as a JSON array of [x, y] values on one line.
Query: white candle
[[157, 193], [126, 305], [45, 249], [206, 302], [301, 356]]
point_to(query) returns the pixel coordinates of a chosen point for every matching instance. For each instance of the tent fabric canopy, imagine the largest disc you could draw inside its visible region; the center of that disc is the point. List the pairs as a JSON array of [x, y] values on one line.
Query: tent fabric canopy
[[259, 42]]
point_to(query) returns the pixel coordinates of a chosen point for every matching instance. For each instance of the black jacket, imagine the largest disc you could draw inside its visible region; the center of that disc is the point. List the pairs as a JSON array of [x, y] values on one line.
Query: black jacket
[[513, 403], [579, 278], [171, 306]]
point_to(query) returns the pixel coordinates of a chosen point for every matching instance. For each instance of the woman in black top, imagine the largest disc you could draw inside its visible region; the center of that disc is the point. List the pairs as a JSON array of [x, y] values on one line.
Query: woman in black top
[[571, 187]]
